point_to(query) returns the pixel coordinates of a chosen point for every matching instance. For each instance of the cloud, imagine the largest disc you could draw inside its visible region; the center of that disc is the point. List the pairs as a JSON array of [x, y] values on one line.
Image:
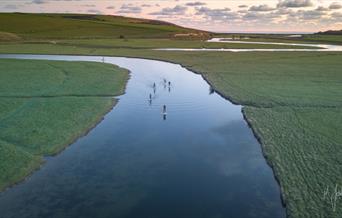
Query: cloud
[[46, 1], [321, 8], [243, 6], [110, 7], [255, 15], [312, 15], [11, 7], [146, 5], [129, 9], [217, 14], [242, 11], [284, 11], [335, 6], [308, 15], [195, 3], [94, 11], [294, 3], [261, 8], [336, 15], [89, 5], [38, 2], [177, 10]]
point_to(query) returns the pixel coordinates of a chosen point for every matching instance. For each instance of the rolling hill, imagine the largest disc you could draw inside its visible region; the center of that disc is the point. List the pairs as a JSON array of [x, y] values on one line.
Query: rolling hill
[[16, 26]]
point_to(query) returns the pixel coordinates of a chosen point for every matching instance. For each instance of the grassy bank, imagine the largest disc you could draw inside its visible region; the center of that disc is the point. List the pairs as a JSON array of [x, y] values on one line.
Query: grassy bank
[[46, 105], [303, 145]]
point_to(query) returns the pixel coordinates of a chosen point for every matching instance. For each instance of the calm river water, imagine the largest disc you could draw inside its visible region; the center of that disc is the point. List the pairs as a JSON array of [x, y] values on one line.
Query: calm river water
[[199, 160]]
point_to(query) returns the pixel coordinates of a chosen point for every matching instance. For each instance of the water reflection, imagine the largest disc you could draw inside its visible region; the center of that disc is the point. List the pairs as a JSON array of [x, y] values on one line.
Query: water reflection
[[315, 47], [164, 112], [211, 90], [319, 46]]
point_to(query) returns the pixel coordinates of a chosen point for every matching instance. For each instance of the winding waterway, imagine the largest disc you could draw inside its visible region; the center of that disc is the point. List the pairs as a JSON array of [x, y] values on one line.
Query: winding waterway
[[199, 160], [315, 47]]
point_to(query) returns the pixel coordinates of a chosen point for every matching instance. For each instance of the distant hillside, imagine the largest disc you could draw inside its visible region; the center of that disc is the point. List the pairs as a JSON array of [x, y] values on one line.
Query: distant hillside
[[84, 26], [331, 32]]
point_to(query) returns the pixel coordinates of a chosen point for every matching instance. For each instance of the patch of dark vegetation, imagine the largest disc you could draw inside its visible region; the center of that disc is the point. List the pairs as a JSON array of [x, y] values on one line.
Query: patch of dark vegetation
[[330, 32], [81, 17]]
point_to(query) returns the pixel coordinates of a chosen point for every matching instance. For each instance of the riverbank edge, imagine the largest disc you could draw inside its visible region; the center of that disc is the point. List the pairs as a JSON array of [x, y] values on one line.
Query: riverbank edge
[[227, 97], [36, 166], [256, 134]]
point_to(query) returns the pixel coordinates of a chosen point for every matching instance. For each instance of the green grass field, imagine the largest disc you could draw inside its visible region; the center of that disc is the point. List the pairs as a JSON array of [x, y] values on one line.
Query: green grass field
[[333, 39], [27, 79], [303, 145], [46, 105]]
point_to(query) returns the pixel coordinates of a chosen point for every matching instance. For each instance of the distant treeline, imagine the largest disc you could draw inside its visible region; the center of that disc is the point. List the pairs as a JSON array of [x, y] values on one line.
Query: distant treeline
[[331, 32]]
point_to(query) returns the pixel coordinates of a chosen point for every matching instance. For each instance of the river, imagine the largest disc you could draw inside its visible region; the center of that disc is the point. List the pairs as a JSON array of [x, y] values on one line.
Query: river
[[199, 159]]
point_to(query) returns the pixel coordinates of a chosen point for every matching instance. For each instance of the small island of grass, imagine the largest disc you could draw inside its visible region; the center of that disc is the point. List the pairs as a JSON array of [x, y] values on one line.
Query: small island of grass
[[46, 105]]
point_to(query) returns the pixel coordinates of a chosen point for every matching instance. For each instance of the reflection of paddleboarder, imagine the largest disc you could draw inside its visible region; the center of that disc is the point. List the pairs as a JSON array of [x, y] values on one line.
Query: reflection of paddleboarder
[[154, 88], [164, 112], [150, 100], [211, 90]]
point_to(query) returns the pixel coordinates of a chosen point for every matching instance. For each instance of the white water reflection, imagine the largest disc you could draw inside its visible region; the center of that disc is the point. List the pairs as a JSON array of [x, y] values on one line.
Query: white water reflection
[[316, 47]]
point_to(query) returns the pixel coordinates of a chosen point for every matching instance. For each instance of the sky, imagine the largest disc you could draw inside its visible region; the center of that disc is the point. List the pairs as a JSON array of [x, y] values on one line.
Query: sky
[[213, 15]]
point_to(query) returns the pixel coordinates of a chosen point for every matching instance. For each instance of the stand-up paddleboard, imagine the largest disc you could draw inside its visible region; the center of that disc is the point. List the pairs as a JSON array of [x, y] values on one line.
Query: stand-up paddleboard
[[164, 110]]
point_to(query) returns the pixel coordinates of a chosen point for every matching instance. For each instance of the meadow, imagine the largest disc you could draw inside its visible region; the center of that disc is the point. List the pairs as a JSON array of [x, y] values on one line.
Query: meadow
[[46, 105], [292, 100]]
